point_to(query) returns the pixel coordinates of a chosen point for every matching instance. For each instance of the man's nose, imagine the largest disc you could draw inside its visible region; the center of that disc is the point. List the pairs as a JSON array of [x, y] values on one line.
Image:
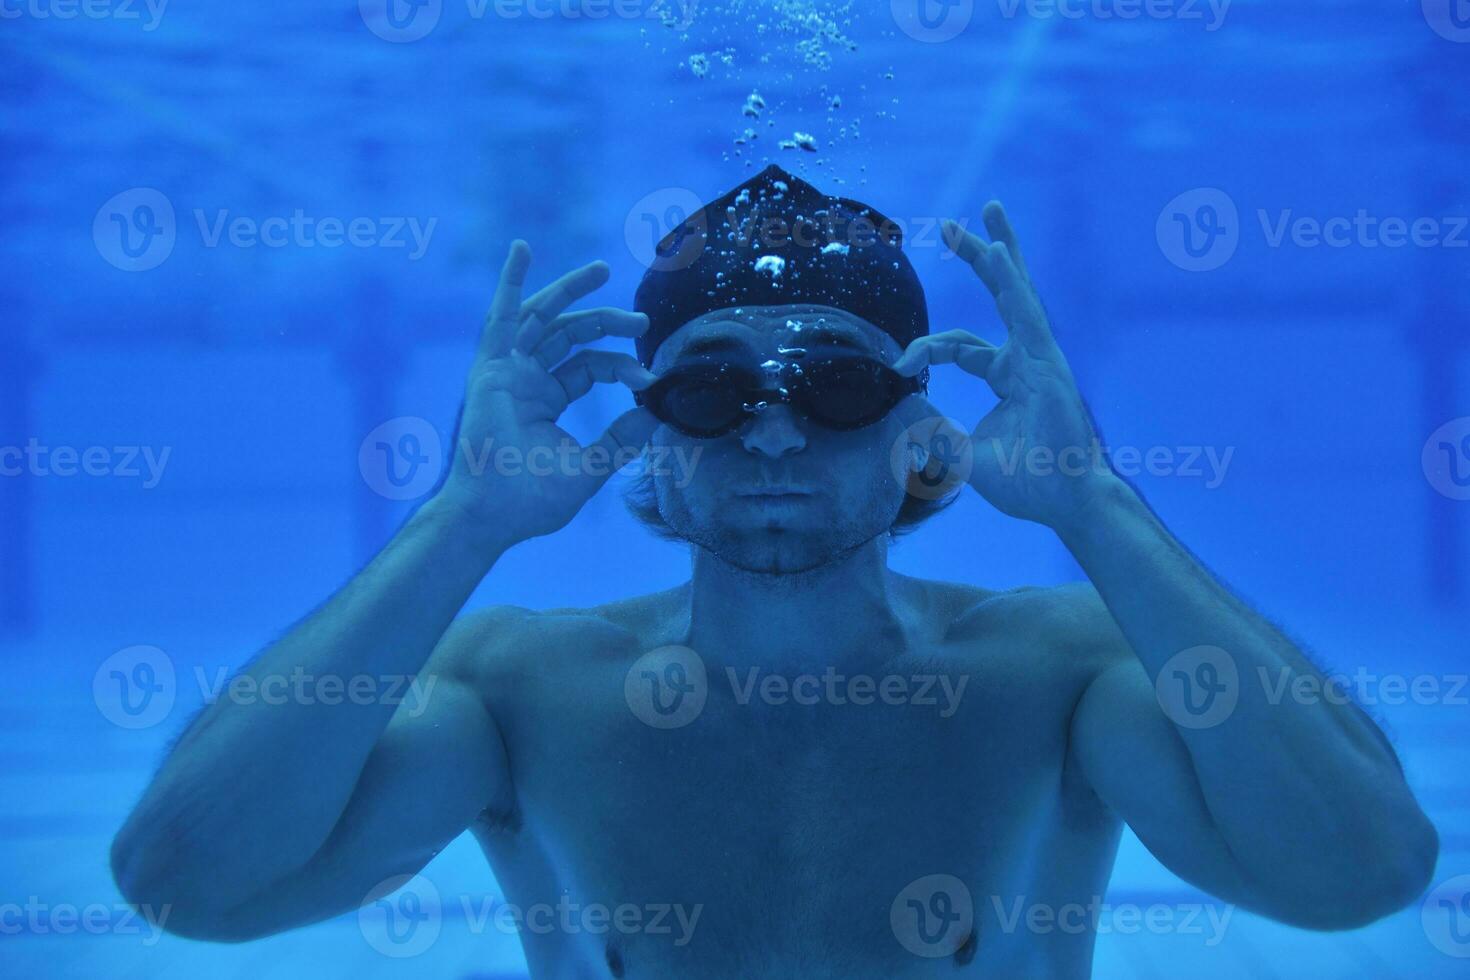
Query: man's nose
[[773, 432]]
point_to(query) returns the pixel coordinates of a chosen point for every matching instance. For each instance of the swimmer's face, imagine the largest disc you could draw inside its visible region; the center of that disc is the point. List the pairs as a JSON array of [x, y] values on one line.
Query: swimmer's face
[[780, 494]]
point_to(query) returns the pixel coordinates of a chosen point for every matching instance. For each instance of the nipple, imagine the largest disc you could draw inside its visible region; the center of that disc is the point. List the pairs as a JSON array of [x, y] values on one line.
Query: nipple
[[614, 960]]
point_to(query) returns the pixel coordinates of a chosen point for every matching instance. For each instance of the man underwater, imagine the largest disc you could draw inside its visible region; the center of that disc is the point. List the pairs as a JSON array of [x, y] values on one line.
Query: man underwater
[[826, 768]]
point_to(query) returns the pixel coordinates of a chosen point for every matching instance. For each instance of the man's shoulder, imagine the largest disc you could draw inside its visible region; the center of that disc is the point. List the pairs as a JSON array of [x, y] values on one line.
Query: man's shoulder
[[1070, 618], [500, 636]]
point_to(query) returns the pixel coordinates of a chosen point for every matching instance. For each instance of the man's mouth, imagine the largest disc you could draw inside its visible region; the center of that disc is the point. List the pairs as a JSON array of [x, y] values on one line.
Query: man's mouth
[[774, 491]]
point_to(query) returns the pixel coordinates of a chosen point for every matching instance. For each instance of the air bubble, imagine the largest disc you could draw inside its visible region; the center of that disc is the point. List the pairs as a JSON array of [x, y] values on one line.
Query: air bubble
[[772, 265]]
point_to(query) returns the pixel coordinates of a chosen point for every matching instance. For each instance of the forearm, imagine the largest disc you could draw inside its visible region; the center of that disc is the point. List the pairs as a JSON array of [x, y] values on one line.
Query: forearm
[[255, 785], [1302, 790]]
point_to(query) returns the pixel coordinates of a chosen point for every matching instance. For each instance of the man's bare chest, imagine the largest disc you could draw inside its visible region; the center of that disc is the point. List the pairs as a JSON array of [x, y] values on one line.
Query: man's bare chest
[[797, 766]]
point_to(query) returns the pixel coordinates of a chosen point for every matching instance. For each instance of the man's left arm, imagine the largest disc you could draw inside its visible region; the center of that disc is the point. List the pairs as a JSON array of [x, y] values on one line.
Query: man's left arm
[[1292, 806], [1308, 816]]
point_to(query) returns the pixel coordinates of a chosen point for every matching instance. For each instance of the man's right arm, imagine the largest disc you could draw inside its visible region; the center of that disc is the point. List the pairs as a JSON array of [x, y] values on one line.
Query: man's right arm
[[281, 811]]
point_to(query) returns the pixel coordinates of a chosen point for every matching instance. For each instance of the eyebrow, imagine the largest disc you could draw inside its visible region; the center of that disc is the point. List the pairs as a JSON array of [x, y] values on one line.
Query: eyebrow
[[815, 335]]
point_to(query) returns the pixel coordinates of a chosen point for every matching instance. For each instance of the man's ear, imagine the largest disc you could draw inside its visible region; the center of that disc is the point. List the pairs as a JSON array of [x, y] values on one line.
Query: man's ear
[[931, 455]]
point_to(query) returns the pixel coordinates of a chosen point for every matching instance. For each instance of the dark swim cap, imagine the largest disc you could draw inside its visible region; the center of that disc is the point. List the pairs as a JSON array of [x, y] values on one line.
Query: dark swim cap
[[777, 240]]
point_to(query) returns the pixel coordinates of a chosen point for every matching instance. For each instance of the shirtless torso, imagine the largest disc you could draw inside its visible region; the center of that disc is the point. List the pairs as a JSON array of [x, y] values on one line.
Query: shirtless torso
[[791, 821]]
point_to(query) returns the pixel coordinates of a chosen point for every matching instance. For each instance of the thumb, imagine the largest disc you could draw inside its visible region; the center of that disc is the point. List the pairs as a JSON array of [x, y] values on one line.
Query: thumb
[[918, 413], [622, 441], [914, 409]]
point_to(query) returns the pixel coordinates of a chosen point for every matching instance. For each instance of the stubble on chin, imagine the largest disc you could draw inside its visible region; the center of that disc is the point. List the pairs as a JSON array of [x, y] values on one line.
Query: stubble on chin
[[776, 548], [775, 551]]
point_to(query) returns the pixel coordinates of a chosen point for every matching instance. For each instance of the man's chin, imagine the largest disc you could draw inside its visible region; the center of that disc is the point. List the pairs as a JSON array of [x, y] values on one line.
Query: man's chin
[[775, 549], [773, 540]]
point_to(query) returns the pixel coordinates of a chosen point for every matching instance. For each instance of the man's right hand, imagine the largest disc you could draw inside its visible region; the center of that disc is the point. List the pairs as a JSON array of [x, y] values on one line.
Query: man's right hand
[[267, 816], [518, 388]]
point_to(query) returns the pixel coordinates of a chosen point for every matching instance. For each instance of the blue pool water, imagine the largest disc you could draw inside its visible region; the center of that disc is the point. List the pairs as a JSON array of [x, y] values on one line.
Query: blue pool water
[[238, 239]]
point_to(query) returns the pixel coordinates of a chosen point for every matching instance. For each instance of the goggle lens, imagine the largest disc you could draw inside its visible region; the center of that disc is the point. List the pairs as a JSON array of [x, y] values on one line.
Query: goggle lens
[[710, 399]]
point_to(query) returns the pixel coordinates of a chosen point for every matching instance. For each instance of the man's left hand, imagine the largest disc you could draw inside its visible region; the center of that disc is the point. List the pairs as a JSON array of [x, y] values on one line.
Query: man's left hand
[[1035, 453]]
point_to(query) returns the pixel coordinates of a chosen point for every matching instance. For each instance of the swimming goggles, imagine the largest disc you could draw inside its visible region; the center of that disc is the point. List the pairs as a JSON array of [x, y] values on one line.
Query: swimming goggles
[[713, 396]]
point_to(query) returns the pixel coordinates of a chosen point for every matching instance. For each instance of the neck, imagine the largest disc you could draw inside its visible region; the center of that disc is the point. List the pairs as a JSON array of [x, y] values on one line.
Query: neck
[[842, 610]]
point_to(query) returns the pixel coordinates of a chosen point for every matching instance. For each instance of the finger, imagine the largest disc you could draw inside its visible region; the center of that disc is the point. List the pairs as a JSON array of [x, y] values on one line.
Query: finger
[[629, 431], [973, 354], [991, 262], [586, 368], [998, 226], [539, 312], [1015, 300], [915, 408], [504, 317], [585, 326], [1021, 310]]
